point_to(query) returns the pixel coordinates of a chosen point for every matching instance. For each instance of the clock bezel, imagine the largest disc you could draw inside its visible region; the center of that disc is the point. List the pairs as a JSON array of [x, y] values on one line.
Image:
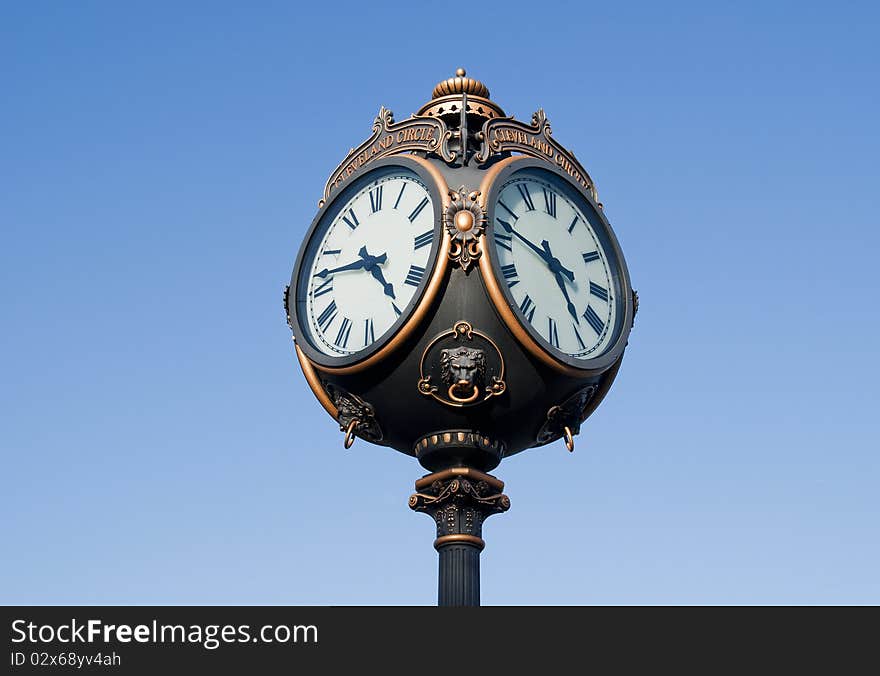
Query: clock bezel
[[424, 294], [502, 299]]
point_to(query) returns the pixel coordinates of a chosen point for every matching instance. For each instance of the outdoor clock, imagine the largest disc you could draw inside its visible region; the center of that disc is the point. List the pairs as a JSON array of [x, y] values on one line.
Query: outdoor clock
[[557, 264], [367, 259], [460, 297]]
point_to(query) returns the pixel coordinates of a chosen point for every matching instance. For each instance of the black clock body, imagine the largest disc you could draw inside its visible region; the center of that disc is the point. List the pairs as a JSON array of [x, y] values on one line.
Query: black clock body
[[459, 380]]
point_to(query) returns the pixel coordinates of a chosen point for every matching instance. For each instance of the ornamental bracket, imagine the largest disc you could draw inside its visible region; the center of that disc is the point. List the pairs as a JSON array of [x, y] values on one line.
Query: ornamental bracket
[[418, 133], [505, 134]]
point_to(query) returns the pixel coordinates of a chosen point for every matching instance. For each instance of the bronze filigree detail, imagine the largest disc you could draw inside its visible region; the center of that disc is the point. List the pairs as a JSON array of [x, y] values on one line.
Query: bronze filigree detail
[[419, 132], [505, 134], [465, 222], [565, 419], [459, 505], [356, 417], [467, 362], [442, 493]]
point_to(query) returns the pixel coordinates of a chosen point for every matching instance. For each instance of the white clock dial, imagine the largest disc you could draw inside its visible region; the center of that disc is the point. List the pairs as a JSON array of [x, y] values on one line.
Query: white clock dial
[[554, 265], [371, 258]]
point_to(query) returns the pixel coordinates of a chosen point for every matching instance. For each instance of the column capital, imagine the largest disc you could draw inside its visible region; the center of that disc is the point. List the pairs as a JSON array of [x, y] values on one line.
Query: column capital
[[459, 499]]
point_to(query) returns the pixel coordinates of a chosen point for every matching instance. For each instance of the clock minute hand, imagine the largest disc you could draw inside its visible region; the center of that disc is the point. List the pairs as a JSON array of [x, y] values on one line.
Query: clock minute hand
[[372, 260], [356, 265], [534, 247]]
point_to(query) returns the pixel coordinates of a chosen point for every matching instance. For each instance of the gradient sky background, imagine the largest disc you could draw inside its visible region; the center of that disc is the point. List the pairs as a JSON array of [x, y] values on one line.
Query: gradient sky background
[[160, 165]]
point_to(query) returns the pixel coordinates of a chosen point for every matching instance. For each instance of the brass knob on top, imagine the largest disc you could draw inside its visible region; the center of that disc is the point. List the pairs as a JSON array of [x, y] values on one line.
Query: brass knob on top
[[460, 84], [448, 97]]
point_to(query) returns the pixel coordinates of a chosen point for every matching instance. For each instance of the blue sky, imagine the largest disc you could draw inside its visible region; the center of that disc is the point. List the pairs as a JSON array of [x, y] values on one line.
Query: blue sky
[[160, 164]]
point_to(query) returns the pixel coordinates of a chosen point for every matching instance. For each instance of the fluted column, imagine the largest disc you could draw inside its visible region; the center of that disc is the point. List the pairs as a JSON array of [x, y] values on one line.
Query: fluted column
[[459, 500]]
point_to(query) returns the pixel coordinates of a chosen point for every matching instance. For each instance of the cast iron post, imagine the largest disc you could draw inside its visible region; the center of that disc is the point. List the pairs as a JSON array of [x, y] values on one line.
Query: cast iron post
[[459, 499]]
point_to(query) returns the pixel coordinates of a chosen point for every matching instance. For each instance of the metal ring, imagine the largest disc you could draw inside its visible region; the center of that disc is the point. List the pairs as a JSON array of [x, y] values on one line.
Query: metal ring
[[472, 540], [463, 400], [569, 440], [349, 433]]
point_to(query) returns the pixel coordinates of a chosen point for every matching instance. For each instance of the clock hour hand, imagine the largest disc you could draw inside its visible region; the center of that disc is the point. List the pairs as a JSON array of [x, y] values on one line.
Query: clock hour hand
[[372, 260], [555, 266], [356, 265]]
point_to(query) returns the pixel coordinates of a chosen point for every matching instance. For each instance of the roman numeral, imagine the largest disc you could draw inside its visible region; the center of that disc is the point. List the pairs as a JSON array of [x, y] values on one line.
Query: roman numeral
[[573, 223], [376, 198], [591, 256], [324, 287], [553, 332], [354, 222], [331, 252], [424, 239], [507, 209], [415, 212], [599, 291], [396, 309], [593, 320], [414, 276], [550, 202], [344, 332], [399, 195], [510, 275], [505, 241], [578, 337], [325, 319], [527, 307], [369, 335], [527, 198]]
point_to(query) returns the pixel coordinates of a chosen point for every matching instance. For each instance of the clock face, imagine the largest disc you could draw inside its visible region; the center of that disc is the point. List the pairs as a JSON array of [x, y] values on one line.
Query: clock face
[[365, 261], [552, 260]]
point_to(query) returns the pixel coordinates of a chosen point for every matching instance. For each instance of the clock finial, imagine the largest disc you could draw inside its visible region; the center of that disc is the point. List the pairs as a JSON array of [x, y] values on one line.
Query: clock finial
[[448, 97], [460, 85]]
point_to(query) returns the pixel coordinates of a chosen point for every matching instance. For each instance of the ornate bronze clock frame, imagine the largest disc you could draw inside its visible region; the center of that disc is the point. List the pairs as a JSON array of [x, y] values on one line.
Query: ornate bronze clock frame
[[463, 377]]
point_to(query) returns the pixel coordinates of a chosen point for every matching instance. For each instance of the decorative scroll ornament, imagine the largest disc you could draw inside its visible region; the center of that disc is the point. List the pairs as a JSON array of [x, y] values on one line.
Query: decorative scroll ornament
[[465, 222], [427, 134], [459, 505], [467, 362], [459, 502], [505, 134], [565, 420], [356, 416]]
